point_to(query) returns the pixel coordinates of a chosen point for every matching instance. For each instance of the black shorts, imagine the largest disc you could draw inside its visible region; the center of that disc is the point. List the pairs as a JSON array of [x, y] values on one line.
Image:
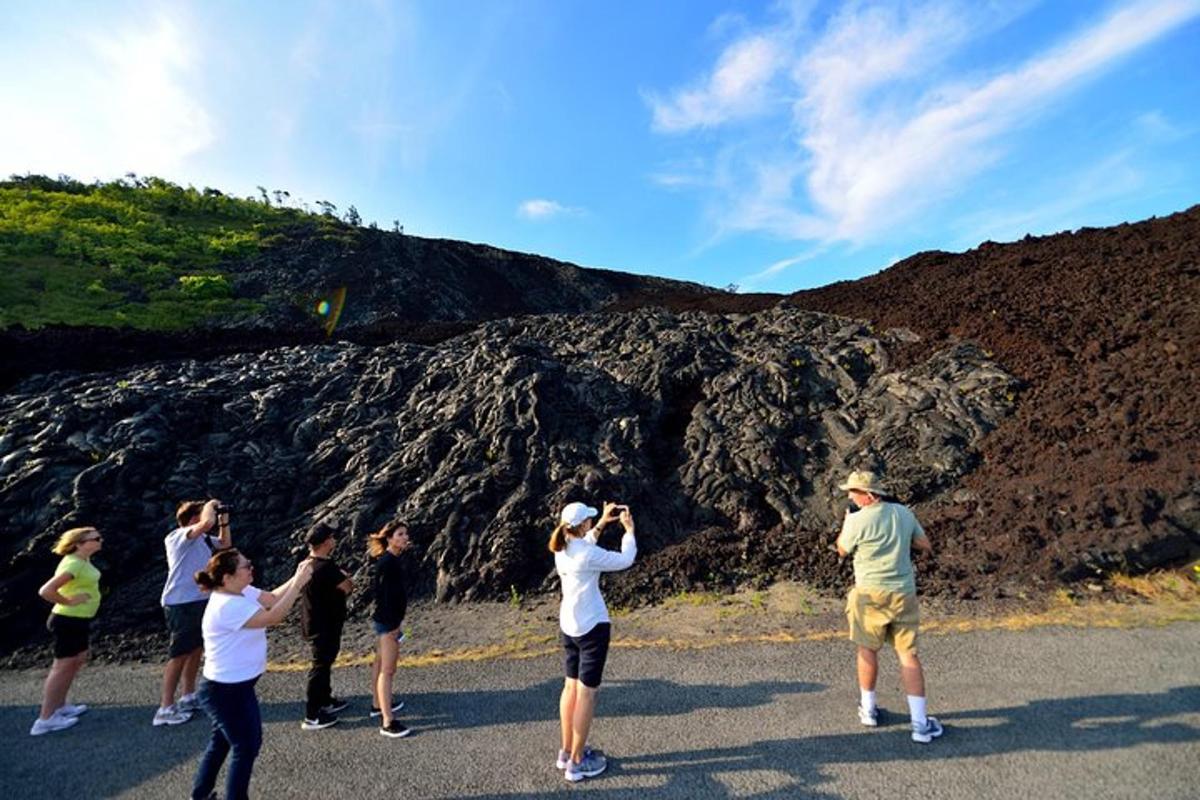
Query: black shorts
[[584, 656], [183, 623], [70, 634]]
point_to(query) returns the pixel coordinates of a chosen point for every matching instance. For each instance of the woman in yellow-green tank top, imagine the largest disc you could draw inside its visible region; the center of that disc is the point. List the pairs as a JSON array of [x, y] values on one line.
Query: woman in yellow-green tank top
[[75, 592]]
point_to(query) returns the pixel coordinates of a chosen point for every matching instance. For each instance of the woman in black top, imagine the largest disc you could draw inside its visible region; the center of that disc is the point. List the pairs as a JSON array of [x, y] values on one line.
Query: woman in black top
[[391, 602]]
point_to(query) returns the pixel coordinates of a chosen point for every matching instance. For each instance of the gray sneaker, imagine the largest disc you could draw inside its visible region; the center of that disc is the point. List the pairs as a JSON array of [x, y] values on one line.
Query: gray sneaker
[[592, 765], [54, 723], [171, 716], [868, 717], [928, 732], [564, 757]]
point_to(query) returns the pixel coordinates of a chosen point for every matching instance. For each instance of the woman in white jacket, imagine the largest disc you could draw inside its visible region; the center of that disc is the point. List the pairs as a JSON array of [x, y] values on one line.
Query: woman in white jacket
[[585, 625]]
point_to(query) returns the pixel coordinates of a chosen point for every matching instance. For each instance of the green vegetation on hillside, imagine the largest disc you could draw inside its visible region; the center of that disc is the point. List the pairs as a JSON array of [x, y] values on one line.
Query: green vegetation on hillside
[[140, 252]]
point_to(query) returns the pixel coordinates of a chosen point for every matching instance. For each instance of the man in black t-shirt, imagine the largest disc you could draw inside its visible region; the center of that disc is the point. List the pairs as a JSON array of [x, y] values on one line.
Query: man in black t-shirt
[[323, 611]]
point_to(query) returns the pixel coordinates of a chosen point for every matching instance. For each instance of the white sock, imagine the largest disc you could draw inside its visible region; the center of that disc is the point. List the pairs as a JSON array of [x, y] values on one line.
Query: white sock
[[868, 698], [916, 708]]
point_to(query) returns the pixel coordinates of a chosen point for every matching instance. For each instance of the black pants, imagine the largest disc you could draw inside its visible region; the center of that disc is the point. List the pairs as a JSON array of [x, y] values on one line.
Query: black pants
[[325, 648]]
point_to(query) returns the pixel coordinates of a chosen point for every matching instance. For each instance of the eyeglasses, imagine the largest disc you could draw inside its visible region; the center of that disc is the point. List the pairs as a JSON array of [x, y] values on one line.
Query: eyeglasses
[[246, 565], [96, 538]]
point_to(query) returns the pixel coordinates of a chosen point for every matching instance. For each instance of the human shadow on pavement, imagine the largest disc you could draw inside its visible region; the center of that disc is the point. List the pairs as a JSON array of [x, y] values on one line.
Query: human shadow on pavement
[[651, 697], [795, 766], [112, 749]]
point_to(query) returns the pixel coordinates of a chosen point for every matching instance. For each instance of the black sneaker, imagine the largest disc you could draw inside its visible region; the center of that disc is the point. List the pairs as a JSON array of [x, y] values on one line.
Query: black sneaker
[[396, 706], [393, 731], [335, 705], [323, 720]]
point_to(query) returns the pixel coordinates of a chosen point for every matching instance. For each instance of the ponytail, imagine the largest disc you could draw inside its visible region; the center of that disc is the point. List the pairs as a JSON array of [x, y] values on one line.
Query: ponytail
[[223, 564], [558, 539]]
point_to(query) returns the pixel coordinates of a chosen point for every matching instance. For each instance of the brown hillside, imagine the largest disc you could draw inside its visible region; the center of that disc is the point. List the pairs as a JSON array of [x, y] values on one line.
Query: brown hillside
[[1103, 325]]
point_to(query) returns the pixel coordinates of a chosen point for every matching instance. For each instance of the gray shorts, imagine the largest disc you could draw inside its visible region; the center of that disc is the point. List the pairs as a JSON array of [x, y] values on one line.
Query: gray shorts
[[183, 623]]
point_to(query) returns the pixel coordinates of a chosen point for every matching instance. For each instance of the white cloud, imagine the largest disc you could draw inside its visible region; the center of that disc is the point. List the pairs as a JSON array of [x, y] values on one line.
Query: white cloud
[[736, 88], [759, 278], [539, 209], [132, 105], [876, 132]]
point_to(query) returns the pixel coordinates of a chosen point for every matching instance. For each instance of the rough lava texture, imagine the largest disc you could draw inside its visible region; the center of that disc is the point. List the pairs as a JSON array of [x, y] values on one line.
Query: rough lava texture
[[726, 432], [1097, 471]]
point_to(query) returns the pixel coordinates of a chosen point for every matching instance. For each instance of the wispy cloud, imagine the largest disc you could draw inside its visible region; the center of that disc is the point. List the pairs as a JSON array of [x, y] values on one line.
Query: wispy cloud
[[876, 132], [135, 105], [736, 88], [757, 279], [539, 209]]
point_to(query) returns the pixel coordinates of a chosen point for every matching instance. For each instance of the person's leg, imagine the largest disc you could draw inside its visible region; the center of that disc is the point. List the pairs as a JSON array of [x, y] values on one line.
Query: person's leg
[[218, 744], [868, 674], [912, 676], [191, 671], [386, 654], [868, 669], [319, 693], [244, 729], [593, 654], [58, 682], [566, 712], [581, 724], [171, 673]]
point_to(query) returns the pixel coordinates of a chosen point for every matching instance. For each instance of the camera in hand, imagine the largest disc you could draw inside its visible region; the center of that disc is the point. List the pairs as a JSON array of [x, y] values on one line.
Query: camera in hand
[[224, 509]]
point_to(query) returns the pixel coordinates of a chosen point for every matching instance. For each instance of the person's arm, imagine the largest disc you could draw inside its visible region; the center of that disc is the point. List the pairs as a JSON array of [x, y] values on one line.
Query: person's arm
[[347, 585], [287, 594], [612, 561], [609, 514], [224, 535], [921, 542], [49, 591], [208, 518], [845, 540], [268, 599]]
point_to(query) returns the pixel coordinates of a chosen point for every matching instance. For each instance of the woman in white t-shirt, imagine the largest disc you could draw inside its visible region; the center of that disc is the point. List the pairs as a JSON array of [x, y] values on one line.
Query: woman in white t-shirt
[[583, 619], [235, 655]]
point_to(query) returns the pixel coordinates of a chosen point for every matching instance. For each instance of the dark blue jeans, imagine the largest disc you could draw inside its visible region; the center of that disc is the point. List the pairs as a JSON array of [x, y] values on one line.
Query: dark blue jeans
[[236, 727]]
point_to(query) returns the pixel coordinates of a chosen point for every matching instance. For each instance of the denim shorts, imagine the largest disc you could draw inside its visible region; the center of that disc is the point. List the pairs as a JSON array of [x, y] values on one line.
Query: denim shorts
[[381, 629]]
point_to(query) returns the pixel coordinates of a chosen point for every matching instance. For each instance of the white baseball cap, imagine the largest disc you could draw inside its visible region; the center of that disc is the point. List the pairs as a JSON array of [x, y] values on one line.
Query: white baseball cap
[[574, 514]]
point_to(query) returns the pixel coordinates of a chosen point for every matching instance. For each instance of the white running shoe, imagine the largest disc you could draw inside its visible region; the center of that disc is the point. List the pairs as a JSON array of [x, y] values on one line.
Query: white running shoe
[[171, 715], [57, 722], [71, 709], [868, 716], [188, 702]]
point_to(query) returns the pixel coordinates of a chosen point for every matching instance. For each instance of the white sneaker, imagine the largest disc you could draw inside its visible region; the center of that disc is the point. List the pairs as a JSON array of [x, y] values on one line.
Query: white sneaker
[[171, 715], [868, 716], [188, 702], [71, 709], [55, 723]]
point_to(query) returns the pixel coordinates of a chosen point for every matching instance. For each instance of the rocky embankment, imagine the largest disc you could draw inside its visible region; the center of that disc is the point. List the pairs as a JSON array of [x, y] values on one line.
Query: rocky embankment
[[727, 434]]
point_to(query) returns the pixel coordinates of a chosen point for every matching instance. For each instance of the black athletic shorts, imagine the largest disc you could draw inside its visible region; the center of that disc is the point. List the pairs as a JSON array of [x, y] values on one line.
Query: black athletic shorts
[[584, 656], [70, 634], [184, 624]]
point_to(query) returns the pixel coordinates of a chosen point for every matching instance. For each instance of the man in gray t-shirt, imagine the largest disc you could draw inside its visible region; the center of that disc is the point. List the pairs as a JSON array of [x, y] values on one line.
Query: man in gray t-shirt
[[189, 547]]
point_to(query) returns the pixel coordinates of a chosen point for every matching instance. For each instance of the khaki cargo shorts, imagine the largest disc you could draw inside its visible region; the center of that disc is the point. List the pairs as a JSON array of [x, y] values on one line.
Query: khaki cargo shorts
[[879, 617]]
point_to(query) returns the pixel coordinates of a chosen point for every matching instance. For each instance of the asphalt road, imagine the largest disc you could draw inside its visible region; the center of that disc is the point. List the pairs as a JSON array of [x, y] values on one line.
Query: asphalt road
[[1050, 713]]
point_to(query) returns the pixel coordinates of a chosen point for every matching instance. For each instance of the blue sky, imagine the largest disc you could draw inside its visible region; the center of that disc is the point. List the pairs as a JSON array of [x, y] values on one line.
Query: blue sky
[[776, 146]]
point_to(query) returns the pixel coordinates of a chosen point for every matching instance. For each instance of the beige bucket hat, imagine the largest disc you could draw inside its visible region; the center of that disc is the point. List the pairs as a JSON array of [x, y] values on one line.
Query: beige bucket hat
[[863, 481]]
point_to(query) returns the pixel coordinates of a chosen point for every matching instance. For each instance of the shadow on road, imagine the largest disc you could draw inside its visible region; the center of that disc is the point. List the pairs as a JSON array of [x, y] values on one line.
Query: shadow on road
[[1095, 723], [650, 697], [114, 748]]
